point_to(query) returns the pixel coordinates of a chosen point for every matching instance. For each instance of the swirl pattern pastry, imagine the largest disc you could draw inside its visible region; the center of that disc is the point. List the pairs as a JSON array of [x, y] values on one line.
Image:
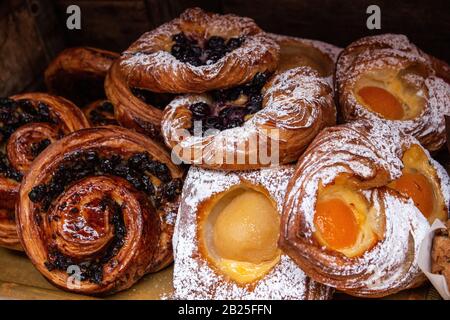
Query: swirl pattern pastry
[[28, 124], [265, 122], [198, 52], [356, 208], [387, 77], [78, 74], [225, 240], [135, 108], [100, 113], [97, 210]]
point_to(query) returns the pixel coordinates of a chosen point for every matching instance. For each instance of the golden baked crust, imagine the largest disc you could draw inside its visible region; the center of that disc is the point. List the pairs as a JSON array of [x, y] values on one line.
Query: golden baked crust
[[78, 74], [440, 253], [148, 64], [296, 105], [63, 118], [200, 274], [94, 215], [357, 163], [414, 81]]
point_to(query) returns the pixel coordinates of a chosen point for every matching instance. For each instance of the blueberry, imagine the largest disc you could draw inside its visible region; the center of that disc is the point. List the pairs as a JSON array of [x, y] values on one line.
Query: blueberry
[[200, 110], [37, 193], [234, 43]]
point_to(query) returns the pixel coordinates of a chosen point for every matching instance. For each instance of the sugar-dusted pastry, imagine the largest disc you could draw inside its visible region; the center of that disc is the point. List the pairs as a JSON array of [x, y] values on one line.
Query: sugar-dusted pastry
[[100, 113], [265, 122], [387, 77], [196, 52], [97, 210], [28, 124], [225, 241], [357, 206], [78, 74]]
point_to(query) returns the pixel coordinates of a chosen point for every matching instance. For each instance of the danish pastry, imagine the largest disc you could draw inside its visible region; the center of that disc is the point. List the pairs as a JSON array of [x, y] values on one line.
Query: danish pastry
[[78, 74], [267, 121], [100, 113], [97, 210], [28, 124], [357, 206], [387, 77], [225, 241], [440, 253], [135, 108], [198, 52], [296, 52]]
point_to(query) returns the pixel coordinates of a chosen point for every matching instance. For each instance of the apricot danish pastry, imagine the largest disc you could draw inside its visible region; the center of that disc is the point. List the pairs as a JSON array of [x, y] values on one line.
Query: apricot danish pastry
[[28, 124], [357, 206], [78, 74], [225, 240], [267, 121], [97, 210], [387, 77]]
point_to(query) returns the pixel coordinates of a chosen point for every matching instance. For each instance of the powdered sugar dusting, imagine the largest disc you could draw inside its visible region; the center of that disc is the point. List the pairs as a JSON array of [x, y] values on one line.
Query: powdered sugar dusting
[[193, 277], [364, 149], [395, 52]]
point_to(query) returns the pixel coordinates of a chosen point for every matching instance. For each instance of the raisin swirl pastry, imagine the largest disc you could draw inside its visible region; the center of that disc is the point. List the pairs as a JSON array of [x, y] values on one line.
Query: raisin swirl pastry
[[225, 240], [387, 77], [28, 124], [102, 202], [78, 74], [357, 206], [267, 121], [100, 113]]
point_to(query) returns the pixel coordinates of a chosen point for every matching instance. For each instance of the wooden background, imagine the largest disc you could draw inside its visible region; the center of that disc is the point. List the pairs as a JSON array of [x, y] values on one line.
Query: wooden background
[[32, 32]]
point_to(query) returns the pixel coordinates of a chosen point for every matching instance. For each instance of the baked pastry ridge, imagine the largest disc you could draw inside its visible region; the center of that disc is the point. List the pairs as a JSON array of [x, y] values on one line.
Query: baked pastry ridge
[[225, 240], [355, 209]]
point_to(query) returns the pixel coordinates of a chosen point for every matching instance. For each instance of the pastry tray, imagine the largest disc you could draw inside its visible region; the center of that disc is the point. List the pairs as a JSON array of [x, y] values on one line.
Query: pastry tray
[[20, 280]]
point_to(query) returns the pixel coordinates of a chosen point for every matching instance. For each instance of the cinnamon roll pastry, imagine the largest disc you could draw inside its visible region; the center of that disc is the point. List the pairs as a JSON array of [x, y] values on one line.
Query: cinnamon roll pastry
[[78, 74], [197, 52], [28, 124], [267, 121], [225, 241], [387, 77], [357, 206], [100, 113], [97, 210]]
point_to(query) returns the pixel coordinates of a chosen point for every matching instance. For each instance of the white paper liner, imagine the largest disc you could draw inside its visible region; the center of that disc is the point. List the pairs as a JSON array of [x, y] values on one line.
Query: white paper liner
[[424, 261]]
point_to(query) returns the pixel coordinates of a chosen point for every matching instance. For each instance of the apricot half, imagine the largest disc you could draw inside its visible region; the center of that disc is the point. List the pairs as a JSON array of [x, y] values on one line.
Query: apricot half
[[382, 101]]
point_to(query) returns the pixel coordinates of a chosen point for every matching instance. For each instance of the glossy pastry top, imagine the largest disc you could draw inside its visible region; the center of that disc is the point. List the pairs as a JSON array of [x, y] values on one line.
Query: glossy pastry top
[[387, 77], [28, 124], [355, 209], [197, 52], [102, 200]]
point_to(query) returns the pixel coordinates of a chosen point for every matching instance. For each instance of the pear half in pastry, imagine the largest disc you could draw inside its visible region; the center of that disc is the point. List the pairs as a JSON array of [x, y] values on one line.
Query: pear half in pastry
[[226, 239]]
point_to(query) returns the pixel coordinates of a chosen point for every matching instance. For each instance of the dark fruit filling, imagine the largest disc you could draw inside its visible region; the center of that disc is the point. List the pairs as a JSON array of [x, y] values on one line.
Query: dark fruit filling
[[155, 99], [92, 270], [13, 115], [136, 169], [231, 106], [103, 115], [83, 164], [189, 50], [38, 147]]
